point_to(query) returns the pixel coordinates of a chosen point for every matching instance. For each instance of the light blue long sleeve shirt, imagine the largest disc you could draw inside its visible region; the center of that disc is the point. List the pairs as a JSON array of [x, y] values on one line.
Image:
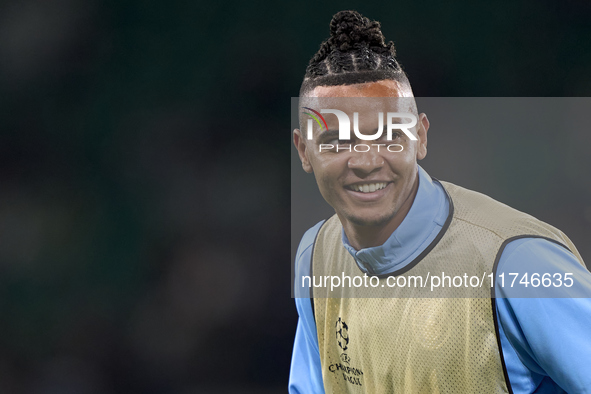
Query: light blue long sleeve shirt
[[546, 342]]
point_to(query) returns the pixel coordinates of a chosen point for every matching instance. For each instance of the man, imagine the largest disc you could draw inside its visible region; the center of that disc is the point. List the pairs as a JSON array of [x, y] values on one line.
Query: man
[[393, 221]]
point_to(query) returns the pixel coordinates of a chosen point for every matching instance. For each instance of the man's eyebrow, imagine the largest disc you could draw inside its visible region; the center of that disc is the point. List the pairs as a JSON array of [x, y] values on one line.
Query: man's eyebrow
[[328, 134]]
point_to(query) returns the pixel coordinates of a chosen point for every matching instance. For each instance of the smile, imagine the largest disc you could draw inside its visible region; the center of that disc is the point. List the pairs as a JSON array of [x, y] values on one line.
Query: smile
[[369, 187]]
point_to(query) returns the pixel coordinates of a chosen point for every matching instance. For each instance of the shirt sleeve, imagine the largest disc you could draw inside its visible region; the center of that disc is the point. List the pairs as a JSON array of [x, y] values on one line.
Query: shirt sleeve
[[306, 373], [545, 331]]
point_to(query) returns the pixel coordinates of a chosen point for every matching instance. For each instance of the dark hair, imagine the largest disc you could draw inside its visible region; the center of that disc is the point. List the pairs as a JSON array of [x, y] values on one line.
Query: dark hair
[[355, 52]]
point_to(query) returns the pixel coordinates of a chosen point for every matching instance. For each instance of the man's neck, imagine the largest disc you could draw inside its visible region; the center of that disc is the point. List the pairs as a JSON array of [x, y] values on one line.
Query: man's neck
[[361, 237]]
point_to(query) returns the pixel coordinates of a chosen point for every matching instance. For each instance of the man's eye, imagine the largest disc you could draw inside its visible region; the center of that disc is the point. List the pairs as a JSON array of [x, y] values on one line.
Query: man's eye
[[395, 136]]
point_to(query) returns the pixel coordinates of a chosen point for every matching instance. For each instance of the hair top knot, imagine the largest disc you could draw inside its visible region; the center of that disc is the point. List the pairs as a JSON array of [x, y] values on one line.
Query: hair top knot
[[355, 52], [351, 30]]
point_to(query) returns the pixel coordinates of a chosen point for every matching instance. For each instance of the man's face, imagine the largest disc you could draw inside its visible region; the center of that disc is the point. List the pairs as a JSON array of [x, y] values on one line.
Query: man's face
[[365, 188]]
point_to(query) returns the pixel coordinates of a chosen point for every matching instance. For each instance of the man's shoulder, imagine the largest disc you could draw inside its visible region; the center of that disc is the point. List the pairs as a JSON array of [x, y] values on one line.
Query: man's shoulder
[[506, 224], [471, 205], [303, 259], [466, 200], [308, 239], [480, 210]]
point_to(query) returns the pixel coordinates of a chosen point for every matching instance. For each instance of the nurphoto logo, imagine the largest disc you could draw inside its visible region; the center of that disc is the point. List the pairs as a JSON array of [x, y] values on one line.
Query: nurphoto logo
[[345, 129]]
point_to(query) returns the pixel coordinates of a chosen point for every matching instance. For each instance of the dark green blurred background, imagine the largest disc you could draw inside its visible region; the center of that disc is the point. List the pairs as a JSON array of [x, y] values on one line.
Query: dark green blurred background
[[144, 173]]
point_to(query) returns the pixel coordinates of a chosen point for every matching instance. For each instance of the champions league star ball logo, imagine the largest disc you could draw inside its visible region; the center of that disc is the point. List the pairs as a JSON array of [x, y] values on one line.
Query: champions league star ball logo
[[342, 334], [349, 373]]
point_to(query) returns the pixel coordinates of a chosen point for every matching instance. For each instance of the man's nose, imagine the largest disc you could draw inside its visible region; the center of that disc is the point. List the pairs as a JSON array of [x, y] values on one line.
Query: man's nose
[[365, 163]]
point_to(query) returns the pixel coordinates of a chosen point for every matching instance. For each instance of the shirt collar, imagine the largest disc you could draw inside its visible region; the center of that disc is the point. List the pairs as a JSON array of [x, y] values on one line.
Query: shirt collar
[[421, 225]]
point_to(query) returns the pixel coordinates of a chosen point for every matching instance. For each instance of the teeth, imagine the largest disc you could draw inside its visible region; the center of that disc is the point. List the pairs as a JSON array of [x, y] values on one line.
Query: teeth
[[369, 187]]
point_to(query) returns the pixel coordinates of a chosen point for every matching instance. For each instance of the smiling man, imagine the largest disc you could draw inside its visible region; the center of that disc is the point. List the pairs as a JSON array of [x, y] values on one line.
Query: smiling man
[[371, 190], [395, 222]]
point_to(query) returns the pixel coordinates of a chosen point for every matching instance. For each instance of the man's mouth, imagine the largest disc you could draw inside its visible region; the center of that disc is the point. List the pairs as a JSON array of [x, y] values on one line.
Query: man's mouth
[[368, 187]]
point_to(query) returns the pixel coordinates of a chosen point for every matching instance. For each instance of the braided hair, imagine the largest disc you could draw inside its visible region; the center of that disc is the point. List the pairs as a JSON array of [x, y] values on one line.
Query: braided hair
[[355, 52]]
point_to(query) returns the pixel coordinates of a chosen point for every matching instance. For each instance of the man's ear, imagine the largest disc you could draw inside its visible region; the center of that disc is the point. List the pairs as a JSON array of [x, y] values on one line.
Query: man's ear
[[300, 144], [422, 129]]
